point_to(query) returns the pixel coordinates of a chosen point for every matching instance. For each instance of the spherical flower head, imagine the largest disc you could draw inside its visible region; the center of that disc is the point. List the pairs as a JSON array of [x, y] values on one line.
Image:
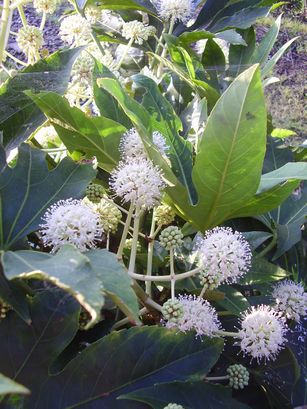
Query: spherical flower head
[[173, 406], [224, 254], [45, 6], [30, 40], [131, 145], [262, 333], [172, 310], [164, 215], [110, 215], [291, 300], [138, 182], [238, 376], [75, 30], [137, 31], [198, 315], [177, 10], [128, 245], [95, 192], [71, 222], [171, 237], [46, 136]]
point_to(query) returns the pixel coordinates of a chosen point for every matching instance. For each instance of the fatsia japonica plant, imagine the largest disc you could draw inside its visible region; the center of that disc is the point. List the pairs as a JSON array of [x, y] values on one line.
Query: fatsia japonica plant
[[150, 218]]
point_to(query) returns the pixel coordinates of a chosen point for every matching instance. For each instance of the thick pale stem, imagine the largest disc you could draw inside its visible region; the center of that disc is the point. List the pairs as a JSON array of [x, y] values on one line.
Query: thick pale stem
[[15, 59], [172, 271], [126, 320], [227, 334], [125, 233], [5, 17], [216, 378], [146, 300], [182, 276], [202, 292], [108, 241], [136, 228], [129, 45], [43, 22], [150, 254], [22, 16]]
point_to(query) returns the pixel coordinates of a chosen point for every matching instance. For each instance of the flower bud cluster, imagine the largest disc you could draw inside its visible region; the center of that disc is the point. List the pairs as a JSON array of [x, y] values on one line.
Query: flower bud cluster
[[173, 406], [110, 215], [171, 237], [172, 310], [238, 376], [95, 192]]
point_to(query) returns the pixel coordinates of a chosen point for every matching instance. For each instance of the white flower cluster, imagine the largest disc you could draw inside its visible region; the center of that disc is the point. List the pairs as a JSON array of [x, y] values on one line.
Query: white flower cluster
[[30, 40], [75, 30], [198, 315], [45, 6], [137, 31], [291, 299], [262, 333], [173, 406], [224, 255], [93, 14], [139, 182], [71, 222], [177, 10], [131, 145]]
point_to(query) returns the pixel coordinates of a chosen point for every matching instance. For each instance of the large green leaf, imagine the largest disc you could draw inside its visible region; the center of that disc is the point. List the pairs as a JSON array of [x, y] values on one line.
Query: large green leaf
[[8, 386], [191, 395], [240, 55], [28, 189], [164, 120], [118, 363], [27, 351], [233, 300], [228, 165], [141, 5], [276, 57], [19, 116], [85, 276], [97, 136]]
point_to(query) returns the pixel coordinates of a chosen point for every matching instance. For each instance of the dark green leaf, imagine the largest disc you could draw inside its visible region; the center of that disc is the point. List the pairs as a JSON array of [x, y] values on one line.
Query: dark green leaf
[[191, 395], [239, 55], [233, 300], [28, 189], [262, 272], [276, 57], [68, 269], [264, 48], [19, 116], [256, 238]]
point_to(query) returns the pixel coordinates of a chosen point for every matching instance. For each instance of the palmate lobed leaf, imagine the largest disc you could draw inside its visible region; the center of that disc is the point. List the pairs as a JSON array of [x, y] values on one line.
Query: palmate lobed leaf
[[118, 363], [86, 276], [28, 189]]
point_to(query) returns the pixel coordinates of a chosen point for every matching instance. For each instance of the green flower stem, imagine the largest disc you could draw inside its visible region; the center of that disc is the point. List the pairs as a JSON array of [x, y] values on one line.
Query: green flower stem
[[203, 291], [145, 299], [43, 22], [135, 236], [53, 150], [129, 45], [268, 248], [22, 16], [5, 17], [126, 320], [182, 276], [151, 243], [108, 241], [164, 51], [125, 233], [216, 378], [227, 334], [131, 228], [172, 271]]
